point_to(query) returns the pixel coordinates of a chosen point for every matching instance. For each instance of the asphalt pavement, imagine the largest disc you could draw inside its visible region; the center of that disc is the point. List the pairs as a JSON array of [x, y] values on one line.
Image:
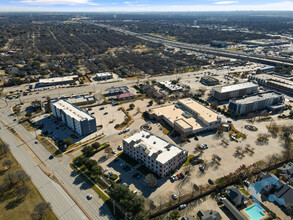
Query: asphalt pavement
[[63, 206]]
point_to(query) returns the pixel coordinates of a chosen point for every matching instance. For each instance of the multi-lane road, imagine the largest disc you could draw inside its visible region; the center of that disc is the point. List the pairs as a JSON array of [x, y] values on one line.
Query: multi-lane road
[[204, 49], [68, 204]]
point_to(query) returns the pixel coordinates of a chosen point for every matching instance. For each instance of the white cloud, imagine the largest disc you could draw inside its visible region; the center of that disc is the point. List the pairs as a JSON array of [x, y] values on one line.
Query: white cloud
[[58, 2], [226, 2]]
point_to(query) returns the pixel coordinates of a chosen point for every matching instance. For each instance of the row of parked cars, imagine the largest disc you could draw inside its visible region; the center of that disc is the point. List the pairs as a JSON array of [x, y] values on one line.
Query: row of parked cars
[[178, 176]]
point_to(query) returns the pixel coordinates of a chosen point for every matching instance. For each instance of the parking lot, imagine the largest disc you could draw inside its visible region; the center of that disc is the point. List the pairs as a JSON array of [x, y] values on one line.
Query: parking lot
[[55, 129]]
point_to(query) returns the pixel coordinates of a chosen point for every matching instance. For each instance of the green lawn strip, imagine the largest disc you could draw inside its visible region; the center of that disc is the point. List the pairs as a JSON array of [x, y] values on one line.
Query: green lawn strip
[[187, 162], [128, 159]]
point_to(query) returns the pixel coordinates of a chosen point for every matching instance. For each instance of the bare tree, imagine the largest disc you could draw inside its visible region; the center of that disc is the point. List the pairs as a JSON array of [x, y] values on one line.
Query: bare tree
[[4, 148], [22, 176], [151, 180], [7, 163], [10, 179], [41, 209], [22, 191]]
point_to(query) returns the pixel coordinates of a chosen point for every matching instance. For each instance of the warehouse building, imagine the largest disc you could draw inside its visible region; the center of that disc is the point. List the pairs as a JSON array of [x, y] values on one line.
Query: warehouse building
[[154, 152], [255, 103], [234, 91], [58, 80], [75, 118], [104, 76], [187, 117]]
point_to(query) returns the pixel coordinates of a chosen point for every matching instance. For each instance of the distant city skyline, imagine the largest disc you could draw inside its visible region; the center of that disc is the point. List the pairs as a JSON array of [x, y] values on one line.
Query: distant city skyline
[[144, 5]]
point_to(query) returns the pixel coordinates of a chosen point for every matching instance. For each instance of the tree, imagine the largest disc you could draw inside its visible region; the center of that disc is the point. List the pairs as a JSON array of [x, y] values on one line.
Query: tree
[[90, 164], [7, 163], [131, 106], [67, 141], [22, 191], [88, 151], [28, 114], [4, 148], [22, 176], [95, 145], [174, 215], [49, 104], [97, 170], [150, 180], [41, 209], [10, 179]]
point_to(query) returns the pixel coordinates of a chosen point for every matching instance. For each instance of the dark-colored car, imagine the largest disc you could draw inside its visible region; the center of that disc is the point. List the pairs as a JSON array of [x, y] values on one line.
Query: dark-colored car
[[211, 181]]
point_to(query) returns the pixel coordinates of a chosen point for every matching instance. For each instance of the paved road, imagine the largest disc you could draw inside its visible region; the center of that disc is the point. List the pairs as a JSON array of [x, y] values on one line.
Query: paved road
[[100, 88], [60, 168], [62, 204]]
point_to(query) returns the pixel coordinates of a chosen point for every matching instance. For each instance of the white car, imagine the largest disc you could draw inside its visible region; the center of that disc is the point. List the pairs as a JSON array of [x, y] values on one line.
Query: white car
[[114, 152], [135, 191], [105, 170], [183, 206], [174, 196], [120, 148], [89, 196]]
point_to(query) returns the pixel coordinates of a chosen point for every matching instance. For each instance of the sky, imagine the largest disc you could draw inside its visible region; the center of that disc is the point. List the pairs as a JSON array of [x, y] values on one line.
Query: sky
[[145, 5]]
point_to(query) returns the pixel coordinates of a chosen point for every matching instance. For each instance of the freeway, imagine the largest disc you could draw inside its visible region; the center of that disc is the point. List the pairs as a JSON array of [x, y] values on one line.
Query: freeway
[[62, 204], [204, 49]]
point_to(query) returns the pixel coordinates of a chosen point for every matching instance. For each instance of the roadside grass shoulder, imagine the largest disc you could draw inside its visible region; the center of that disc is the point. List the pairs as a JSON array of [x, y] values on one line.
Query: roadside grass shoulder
[[23, 208]]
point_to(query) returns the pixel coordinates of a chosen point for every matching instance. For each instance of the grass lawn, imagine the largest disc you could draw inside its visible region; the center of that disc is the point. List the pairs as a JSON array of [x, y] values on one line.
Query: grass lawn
[[187, 162], [47, 144], [23, 209], [27, 126], [128, 159]]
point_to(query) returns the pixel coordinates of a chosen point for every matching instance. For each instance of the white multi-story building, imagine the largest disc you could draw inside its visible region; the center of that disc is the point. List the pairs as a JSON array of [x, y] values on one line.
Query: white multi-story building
[[75, 118], [154, 152]]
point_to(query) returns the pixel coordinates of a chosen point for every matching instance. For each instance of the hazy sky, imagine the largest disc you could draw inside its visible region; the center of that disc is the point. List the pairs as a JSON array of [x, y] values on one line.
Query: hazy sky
[[144, 5]]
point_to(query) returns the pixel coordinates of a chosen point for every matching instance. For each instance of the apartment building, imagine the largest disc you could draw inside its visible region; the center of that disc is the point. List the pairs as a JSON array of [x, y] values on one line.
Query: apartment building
[[234, 91], [75, 118], [255, 102], [187, 117], [154, 152]]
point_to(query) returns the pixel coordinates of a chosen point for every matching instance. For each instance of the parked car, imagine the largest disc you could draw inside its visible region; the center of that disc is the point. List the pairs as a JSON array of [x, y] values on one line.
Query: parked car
[[203, 146], [114, 152], [102, 108], [135, 191], [174, 196], [183, 206], [89, 196], [120, 147], [201, 168], [211, 181], [14, 119], [105, 170]]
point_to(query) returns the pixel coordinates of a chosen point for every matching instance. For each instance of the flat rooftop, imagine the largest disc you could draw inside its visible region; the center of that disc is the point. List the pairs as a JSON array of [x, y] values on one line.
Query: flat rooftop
[[257, 97], [58, 79], [103, 74], [175, 112], [207, 114], [235, 87], [154, 145], [171, 86], [274, 78], [72, 111]]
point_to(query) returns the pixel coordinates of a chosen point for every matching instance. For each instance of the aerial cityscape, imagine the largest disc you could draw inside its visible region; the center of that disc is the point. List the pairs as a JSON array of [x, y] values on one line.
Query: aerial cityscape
[[146, 110]]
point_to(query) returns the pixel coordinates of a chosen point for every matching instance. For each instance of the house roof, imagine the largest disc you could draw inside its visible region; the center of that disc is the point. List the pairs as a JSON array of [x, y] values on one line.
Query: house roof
[[237, 197], [233, 210], [209, 215]]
